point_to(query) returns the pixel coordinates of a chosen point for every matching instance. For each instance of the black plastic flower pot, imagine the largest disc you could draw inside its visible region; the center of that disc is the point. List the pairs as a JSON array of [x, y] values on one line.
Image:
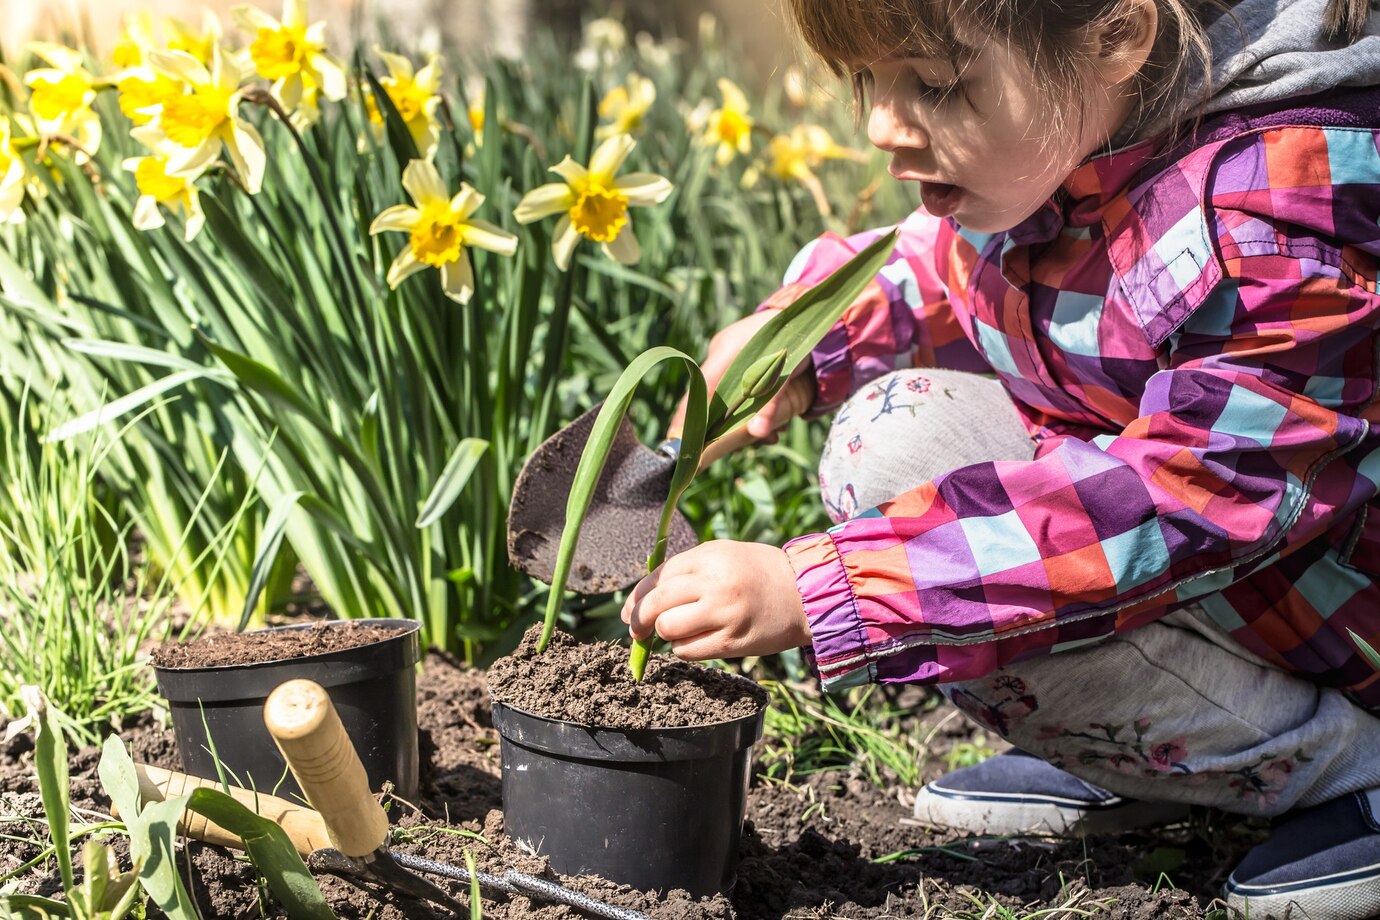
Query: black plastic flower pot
[[373, 687], [658, 808]]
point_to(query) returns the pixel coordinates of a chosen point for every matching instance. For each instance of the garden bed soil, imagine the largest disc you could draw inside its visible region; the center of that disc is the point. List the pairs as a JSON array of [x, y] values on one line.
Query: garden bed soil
[[219, 649], [590, 683], [821, 846]]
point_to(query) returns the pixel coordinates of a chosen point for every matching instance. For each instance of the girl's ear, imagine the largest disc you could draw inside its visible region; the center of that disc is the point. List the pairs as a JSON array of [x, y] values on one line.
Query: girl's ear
[[1121, 44]]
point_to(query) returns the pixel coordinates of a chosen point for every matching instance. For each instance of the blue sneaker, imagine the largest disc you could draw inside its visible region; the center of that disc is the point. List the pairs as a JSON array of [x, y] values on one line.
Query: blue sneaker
[[1017, 793], [1319, 863]]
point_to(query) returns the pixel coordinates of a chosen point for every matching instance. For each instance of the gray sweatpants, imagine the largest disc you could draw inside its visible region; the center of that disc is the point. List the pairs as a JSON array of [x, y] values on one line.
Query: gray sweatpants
[[1173, 711]]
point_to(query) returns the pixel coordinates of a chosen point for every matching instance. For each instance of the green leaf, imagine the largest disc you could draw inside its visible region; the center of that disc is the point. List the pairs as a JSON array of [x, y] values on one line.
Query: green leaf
[[136, 354], [272, 851], [33, 907], [452, 481], [369, 427], [50, 760], [267, 552], [265, 381], [797, 329], [1367, 649], [127, 403], [152, 831], [476, 907]]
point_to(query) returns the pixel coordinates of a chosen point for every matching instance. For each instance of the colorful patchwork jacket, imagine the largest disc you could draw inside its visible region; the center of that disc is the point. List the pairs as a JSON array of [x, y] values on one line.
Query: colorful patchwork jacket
[[1192, 340]]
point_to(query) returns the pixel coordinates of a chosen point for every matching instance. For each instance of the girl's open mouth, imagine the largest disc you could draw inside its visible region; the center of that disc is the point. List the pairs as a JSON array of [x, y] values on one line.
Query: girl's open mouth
[[940, 199]]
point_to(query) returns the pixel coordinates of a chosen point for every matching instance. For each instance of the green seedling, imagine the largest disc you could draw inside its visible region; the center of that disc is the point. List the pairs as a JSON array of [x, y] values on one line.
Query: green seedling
[[756, 374], [152, 829], [105, 892]]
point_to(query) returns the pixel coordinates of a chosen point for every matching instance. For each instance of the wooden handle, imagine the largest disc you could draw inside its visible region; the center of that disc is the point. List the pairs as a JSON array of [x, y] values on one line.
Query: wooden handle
[[795, 396], [304, 827], [301, 719]]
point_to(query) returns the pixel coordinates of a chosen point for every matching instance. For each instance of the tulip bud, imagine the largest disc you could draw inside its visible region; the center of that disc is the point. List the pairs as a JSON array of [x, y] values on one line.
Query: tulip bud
[[764, 374]]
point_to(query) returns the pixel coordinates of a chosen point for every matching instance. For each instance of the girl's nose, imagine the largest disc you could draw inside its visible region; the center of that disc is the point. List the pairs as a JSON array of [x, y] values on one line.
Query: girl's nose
[[888, 128]]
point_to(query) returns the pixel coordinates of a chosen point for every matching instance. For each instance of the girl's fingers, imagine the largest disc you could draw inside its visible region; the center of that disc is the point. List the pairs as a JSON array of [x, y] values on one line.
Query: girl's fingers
[[644, 615], [639, 591], [704, 645], [685, 620]]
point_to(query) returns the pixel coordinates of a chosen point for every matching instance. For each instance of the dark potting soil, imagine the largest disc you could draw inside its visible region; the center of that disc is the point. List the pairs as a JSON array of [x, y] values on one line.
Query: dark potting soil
[[590, 683], [218, 649], [830, 845]]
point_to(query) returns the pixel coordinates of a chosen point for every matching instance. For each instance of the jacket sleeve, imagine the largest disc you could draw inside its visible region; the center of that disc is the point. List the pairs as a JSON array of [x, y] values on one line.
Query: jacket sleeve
[[902, 318], [1267, 386]]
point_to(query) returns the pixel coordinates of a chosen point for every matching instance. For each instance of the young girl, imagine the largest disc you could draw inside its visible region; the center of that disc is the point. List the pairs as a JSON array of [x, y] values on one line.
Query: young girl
[[1138, 543]]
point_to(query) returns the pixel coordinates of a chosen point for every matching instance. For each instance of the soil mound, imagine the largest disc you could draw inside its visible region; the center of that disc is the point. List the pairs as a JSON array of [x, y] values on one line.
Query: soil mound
[[589, 683]]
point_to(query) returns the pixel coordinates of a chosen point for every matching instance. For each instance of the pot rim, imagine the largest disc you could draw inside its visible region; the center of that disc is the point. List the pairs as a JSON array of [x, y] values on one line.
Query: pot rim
[[397, 627]]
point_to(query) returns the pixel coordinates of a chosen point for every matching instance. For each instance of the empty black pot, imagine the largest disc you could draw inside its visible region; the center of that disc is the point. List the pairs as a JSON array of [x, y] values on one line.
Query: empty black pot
[[658, 808], [373, 687]]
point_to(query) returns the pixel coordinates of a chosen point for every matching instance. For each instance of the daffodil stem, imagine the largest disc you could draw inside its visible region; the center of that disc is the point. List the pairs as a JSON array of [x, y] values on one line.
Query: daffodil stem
[[637, 658], [554, 359], [642, 648]]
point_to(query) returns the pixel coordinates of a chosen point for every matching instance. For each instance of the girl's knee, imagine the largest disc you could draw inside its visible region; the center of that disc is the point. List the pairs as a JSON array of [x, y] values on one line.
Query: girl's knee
[[911, 426]]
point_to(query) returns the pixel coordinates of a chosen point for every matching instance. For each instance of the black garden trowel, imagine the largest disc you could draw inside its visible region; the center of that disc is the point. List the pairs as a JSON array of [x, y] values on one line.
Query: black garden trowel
[[620, 526]]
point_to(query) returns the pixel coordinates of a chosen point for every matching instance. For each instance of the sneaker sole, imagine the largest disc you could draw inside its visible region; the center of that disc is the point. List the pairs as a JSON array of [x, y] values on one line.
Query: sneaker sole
[[1001, 814], [1343, 896]]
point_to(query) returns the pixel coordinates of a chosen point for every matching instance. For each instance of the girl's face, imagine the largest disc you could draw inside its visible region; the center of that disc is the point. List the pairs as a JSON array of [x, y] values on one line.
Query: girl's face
[[976, 139]]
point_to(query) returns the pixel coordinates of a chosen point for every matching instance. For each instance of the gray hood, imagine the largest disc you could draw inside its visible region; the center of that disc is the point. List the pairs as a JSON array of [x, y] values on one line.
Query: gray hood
[[1271, 50]]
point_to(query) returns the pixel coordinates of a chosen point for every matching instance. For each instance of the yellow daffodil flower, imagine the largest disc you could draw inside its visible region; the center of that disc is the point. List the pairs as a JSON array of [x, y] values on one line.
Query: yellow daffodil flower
[[729, 127], [796, 156], [158, 189], [415, 95], [594, 203], [14, 177], [202, 43], [291, 53], [441, 229], [205, 118], [142, 91], [135, 41], [475, 112], [626, 105], [61, 96]]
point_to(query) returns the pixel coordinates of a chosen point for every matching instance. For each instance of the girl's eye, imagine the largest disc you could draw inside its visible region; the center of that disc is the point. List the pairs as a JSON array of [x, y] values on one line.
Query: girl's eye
[[936, 93]]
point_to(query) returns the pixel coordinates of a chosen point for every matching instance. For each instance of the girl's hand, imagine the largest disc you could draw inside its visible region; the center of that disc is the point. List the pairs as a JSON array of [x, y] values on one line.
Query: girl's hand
[[723, 348], [722, 599]]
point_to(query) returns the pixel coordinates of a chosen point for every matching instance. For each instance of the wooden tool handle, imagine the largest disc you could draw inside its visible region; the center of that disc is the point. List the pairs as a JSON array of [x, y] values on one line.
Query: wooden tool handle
[[796, 397], [304, 723], [304, 827]]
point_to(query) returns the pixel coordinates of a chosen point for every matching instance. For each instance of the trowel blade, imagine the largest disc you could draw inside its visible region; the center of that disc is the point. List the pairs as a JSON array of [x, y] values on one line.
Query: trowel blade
[[620, 528]]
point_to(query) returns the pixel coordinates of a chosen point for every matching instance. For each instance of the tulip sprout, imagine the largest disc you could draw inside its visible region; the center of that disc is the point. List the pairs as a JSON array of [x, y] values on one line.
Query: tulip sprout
[[756, 374]]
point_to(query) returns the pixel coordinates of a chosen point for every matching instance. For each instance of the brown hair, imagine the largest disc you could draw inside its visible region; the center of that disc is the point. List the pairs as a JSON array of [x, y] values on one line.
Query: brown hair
[[1051, 35]]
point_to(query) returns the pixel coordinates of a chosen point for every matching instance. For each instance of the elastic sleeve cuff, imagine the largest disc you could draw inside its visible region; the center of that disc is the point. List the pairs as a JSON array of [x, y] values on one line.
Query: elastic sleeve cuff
[[838, 638]]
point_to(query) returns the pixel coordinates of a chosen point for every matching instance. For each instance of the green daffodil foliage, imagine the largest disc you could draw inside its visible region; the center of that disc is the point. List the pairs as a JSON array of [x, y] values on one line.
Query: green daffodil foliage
[[759, 371]]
